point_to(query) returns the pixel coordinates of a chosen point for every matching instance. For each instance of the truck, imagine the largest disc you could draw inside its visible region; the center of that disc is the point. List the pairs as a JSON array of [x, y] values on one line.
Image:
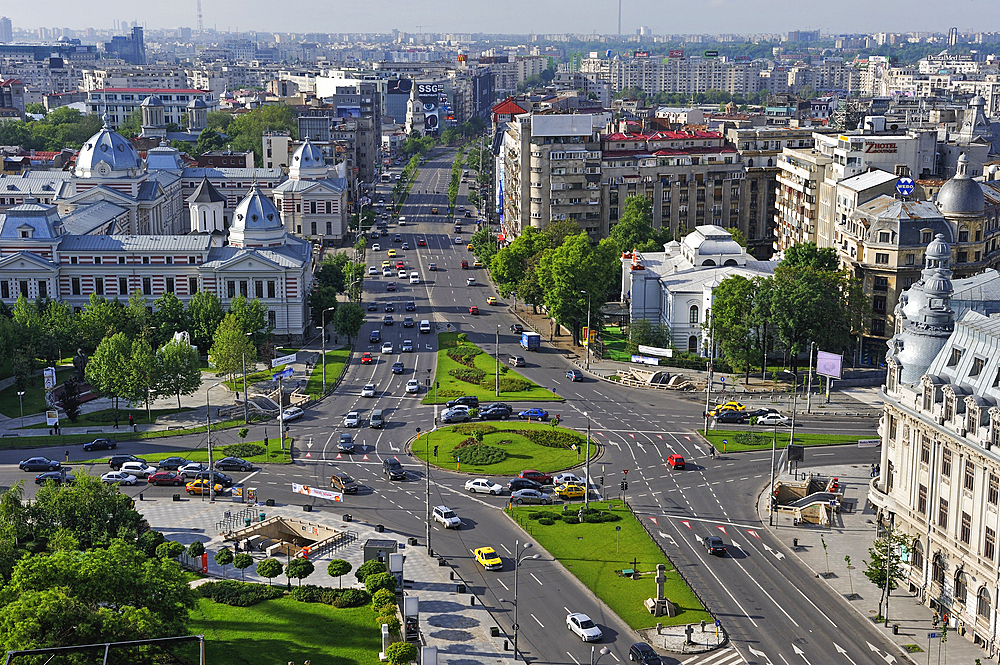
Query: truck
[[530, 341]]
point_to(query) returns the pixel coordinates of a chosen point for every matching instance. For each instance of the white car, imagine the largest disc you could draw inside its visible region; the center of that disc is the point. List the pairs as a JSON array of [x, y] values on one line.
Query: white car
[[373, 271], [483, 485], [567, 477], [447, 517], [774, 419], [138, 469], [291, 413], [387, 347], [458, 240], [387, 272], [368, 390], [191, 469], [412, 386], [583, 626], [376, 247], [119, 477], [402, 274], [471, 281], [352, 419]]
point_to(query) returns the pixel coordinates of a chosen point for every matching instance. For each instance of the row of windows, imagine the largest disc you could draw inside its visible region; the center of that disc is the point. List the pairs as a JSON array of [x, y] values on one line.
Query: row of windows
[[122, 260]]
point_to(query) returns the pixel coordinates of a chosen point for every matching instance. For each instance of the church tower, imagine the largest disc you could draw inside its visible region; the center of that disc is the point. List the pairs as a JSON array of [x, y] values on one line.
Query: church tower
[[154, 121], [414, 113]]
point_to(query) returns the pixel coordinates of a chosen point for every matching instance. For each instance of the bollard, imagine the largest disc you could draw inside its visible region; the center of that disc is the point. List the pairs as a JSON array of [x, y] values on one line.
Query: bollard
[[379, 528], [460, 588], [494, 631], [140, 496], [472, 601], [895, 629], [347, 517], [795, 542], [506, 645], [451, 575]]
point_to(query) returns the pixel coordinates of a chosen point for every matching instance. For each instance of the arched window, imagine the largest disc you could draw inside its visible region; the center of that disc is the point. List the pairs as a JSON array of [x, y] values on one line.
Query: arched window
[[693, 344], [983, 603], [770, 162], [693, 314], [937, 570], [730, 262], [708, 262], [750, 163], [961, 586], [917, 559]]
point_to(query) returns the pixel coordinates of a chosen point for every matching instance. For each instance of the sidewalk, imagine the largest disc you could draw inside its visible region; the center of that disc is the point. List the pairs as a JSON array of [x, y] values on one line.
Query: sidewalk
[[851, 534], [450, 621]]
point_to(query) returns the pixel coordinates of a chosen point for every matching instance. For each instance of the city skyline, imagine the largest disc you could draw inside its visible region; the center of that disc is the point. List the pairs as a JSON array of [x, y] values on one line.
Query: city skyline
[[560, 16]]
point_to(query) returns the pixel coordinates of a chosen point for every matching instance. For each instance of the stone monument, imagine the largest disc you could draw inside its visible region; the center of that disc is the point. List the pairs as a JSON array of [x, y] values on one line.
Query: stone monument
[[660, 605]]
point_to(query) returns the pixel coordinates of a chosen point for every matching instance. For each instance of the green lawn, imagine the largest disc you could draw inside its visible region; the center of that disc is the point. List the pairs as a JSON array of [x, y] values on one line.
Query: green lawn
[[716, 436], [450, 387], [236, 384], [34, 396], [615, 347], [276, 456], [595, 552], [106, 417], [521, 453], [285, 630], [336, 361]]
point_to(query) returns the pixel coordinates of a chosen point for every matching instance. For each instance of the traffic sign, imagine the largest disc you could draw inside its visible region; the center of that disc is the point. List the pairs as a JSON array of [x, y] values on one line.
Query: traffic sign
[[618, 528], [722, 379], [283, 360], [283, 374], [717, 623], [931, 636], [905, 186], [515, 627]]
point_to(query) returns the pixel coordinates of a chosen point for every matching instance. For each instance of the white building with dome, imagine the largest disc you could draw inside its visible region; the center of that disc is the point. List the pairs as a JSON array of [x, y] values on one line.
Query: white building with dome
[[674, 287], [313, 200]]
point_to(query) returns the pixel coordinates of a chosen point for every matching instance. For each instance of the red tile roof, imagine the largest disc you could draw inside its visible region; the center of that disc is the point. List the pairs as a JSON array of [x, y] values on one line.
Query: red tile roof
[[660, 136], [508, 107]]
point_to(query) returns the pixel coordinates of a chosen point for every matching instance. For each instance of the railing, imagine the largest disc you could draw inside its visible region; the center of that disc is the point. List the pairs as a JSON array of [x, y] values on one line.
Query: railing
[[232, 521]]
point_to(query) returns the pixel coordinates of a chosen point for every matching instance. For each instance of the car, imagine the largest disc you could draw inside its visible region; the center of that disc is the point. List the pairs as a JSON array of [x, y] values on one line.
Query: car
[[642, 653], [376, 247], [471, 281], [191, 469], [368, 390], [399, 266], [757, 413], [407, 321], [387, 271], [137, 469], [374, 337], [352, 419], [410, 306], [392, 253], [366, 358], [343, 482], [421, 242], [387, 320], [387, 347], [528, 495], [492, 300], [373, 271], [165, 478], [116, 461], [474, 310], [469, 401], [412, 386], [733, 406], [292, 413], [675, 461], [482, 485], [390, 286], [386, 263], [714, 545], [217, 476], [458, 240], [392, 469], [455, 416], [373, 307], [488, 558], [100, 444], [172, 463], [233, 464], [516, 361], [432, 267], [537, 476], [567, 477], [345, 444], [397, 238], [201, 487], [584, 627], [389, 307], [468, 213], [570, 491], [477, 264], [533, 414], [470, 247], [494, 414], [406, 245], [119, 477], [447, 517], [774, 419], [517, 328], [730, 417], [574, 375], [465, 265], [406, 346], [55, 476], [515, 484], [397, 367], [402, 275]]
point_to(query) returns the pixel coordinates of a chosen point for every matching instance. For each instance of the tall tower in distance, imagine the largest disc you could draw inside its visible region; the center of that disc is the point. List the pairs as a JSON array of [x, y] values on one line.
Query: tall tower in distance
[[952, 36], [6, 30], [201, 26]]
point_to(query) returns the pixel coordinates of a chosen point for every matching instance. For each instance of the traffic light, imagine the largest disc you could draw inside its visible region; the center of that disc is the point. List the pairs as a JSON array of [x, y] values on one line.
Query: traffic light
[[624, 485], [435, 451]]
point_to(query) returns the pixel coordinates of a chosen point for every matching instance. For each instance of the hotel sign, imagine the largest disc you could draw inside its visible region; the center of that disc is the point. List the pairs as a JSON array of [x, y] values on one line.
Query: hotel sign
[[876, 148]]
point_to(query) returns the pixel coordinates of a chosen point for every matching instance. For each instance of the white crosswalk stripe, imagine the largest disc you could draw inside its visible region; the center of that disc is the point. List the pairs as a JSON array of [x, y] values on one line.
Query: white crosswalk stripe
[[727, 656]]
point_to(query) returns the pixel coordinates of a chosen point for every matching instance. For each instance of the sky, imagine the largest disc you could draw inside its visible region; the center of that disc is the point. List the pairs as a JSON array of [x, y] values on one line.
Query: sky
[[519, 16]]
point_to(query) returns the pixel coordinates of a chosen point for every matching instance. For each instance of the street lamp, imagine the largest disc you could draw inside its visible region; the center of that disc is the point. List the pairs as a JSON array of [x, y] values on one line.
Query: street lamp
[[208, 438], [20, 399], [498, 361], [520, 554], [427, 489], [323, 333], [355, 283], [586, 494], [587, 342], [603, 652]]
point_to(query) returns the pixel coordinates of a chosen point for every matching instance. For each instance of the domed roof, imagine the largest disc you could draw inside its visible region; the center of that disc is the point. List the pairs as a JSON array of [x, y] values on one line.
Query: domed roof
[[152, 100], [106, 154], [938, 248], [197, 104], [256, 221], [961, 195], [978, 100], [307, 161]]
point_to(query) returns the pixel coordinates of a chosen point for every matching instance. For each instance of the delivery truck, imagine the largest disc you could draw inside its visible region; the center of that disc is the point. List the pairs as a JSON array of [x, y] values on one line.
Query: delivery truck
[[530, 341]]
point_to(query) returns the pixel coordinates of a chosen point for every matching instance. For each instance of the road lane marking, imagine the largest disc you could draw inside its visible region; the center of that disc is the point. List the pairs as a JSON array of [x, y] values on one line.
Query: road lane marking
[[537, 621]]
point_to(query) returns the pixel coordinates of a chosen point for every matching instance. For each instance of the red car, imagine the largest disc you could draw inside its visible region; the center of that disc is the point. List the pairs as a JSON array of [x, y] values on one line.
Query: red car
[[473, 310], [400, 265], [366, 358], [165, 478], [537, 476], [676, 461], [421, 242], [390, 286]]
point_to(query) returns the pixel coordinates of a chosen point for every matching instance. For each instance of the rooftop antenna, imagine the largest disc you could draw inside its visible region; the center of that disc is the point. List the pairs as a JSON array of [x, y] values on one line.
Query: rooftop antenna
[[201, 26]]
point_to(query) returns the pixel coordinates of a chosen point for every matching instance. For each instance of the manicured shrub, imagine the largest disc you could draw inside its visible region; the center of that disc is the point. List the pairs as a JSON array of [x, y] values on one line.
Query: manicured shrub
[[311, 593], [239, 594], [550, 437], [468, 374], [508, 384], [380, 581], [479, 454], [369, 568], [351, 598], [391, 620], [546, 521], [401, 653], [751, 439], [472, 428], [244, 450], [571, 519], [383, 597]]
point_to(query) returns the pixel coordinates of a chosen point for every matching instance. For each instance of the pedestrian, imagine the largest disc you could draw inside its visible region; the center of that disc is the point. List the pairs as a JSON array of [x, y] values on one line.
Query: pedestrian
[[935, 620], [116, 420], [872, 474], [131, 420]]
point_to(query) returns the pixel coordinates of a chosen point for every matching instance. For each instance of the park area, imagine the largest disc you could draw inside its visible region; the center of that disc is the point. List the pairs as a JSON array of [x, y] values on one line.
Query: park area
[[734, 441]]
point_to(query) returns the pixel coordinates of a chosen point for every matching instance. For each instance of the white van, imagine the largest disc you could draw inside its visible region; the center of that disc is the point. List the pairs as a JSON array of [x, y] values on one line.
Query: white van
[[425, 326], [414, 277], [402, 220]]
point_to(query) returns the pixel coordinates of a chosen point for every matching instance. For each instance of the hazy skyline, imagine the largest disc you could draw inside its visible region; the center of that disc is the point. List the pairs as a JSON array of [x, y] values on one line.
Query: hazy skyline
[[519, 16]]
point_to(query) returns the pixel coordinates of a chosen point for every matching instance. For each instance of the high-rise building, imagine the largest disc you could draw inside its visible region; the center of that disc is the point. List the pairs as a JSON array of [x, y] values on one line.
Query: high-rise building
[[6, 30], [952, 36], [131, 49]]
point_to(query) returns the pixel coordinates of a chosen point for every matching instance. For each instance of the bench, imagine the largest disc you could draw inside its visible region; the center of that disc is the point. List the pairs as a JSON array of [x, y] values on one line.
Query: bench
[[628, 572]]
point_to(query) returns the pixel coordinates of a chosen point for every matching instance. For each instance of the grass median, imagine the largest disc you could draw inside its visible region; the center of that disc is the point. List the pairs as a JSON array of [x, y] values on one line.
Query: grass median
[[518, 451], [336, 361], [274, 454], [596, 553], [743, 440]]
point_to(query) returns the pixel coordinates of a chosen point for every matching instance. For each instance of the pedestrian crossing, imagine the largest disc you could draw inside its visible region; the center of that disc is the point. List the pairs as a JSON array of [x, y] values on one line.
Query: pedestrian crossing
[[727, 656]]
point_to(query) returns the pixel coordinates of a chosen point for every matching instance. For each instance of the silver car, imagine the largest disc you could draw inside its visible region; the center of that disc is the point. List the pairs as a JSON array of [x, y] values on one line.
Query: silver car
[[352, 419], [530, 496]]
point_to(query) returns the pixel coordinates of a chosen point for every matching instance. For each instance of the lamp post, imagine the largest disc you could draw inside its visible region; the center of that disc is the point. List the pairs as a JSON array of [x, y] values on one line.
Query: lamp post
[[355, 283], [322, 331], [498, 361], [603, 652], [586, 494], [427, 490], [587, 342], [208, 438], [20, 399], [520, 554]]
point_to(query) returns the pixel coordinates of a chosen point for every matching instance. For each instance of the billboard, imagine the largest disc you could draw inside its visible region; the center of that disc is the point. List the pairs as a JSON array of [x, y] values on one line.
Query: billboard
[[429, 95], [711, 54], [829, 364], [640, 54], [499, 185], [675, 53]]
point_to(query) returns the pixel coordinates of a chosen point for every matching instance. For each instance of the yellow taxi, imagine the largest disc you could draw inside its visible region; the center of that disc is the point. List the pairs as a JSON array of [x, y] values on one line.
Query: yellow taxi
[[201, 487], [392, 253], [492, 300], [386, 264], [477, 264], [736, 407], [488, 558], [570, 491]]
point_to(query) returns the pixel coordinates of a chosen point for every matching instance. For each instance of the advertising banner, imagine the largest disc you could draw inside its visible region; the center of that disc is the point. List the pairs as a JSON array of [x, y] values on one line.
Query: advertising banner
[[829, 364], [645, 360], [317, 492], [656, 351], [675, 53]]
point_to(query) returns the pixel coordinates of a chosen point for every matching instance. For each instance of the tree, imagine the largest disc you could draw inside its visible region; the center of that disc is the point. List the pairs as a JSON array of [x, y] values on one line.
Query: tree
[[299, 568], [401, 653], [269, 569], [169, 317], [205, 313], [108, 369], [331, 271], [559, 230], [241, 562], [348, 319], [23, 367], [245, 131], [178, 369], [170, 549], [224, 557], [338, 568], [732, 320], [251, 313], [100, 318], [94, 512], [370, 567], [738, 236], [231, 346], [138, 321], [509, 265], [321, 298], [142, 373], [196, 549], [380, 581], [209, 139], [885, 561], [71, 399], [635, 224], [35, 108], [809, 305], [808, 254]]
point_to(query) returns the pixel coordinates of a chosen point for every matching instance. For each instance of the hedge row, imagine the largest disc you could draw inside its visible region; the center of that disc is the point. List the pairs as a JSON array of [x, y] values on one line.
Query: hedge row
[[468, 374], [508, 384], [553, 438], [311, 593], [239, 594], [464, 354], [479, 454], [244, 450], [590, 516]]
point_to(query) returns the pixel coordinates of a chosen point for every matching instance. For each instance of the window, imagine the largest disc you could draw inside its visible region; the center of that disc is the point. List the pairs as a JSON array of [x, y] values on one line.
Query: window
[[925, 237], [121, 260], [961, 588], [244, 289], [937, 570], [5, 290], [969, 482], [122, 285], [230, 289], [43, 289], [97, 260], [313, 226], [881, 258], [983, 599], [909, 259], [922, 500], [884, 236], [943, 514], [145, 260], [270, 288], [993, 493], [878, 327], [693, 314], [99, 286], [989, 543], [918, 555], [170, 260], [946, 463], [925, 450], [878, 303], [147, 286], [258, 288], [692, 344], [881, 283], [963, 257], [956, 355], [170, 285], [977, 366], [963, 235], [929, 395], [73, 260], [965, 533], [74, 285], [192, 285], [272, 320]]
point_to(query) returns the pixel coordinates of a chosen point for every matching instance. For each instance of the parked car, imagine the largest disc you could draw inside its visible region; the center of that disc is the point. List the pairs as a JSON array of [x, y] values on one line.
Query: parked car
[[191, 469], [477, 485], [584, 627], [352, 419], [528, 495], [100, 444], [138, 469], [345, 444], [516, 484], [533, 414], [344, 483], [171, 463], [537, 476], [714, 545], [201, 487], [116, 461], [55, 476], [494, 413], [165, 478], [447, 517], [119, 477], [233, 464], [392, 469], [39, 464], [291, 413]]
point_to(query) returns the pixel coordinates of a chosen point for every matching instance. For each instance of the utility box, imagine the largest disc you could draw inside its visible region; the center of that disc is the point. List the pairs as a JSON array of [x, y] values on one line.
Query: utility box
[[380, 549]]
